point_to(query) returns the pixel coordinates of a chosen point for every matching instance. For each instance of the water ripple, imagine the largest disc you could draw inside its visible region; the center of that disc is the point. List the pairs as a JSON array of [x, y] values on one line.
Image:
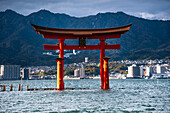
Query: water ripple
[[124, 96]]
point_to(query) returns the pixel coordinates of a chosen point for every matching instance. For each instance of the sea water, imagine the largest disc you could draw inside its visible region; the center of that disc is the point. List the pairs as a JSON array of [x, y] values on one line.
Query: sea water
[[129, 95]]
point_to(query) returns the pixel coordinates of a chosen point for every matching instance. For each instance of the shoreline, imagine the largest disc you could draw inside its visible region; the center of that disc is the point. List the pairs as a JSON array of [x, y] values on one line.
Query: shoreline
[[78, 78]]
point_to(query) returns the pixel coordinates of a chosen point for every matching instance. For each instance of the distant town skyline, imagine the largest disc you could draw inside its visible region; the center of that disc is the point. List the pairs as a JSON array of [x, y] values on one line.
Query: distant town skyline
[[150, 9]]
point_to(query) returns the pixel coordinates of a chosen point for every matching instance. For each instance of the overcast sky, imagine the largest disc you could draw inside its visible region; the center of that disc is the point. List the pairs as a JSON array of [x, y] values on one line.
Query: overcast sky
[[149, 9]]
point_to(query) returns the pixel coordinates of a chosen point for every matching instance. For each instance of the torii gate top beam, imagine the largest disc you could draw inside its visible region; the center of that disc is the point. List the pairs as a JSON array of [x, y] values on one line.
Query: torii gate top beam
[[105, 33]]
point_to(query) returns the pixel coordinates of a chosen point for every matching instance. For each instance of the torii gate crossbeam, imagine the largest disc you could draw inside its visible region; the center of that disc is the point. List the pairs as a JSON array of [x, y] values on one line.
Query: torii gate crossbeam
[[76, 47]]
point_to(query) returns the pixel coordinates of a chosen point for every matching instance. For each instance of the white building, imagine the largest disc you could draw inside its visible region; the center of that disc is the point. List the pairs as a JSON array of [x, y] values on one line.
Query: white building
[[86, 59], [133, 72], [160, 69], [25, 73], [149, 71], [10, 72], [141, 71], [77, 72], [80, 72]]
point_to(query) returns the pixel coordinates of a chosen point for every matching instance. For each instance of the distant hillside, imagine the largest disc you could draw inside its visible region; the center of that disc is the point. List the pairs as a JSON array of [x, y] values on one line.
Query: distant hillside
[[19, 44]]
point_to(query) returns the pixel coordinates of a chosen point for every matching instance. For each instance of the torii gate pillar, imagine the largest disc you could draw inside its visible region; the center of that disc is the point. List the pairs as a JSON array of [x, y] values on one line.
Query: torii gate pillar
[[60, 82], [106, 73], [102, 55], [60, 66]]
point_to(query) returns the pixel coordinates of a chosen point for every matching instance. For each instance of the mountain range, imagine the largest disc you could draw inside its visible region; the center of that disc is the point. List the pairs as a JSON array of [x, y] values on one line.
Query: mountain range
[[19, 44]]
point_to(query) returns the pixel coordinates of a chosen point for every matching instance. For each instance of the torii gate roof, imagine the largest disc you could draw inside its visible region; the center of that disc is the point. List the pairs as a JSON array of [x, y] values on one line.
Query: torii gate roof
[[58, 33]]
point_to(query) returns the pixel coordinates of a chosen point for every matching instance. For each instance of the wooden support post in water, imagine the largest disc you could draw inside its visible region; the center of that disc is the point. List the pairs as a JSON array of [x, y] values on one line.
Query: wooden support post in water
[[21, 84], [19, 87], [3, 88], [157, 82], [11, 87]]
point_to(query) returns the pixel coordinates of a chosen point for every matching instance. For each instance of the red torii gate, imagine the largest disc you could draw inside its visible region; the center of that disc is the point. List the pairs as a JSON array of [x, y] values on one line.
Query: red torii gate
[[82, 35]]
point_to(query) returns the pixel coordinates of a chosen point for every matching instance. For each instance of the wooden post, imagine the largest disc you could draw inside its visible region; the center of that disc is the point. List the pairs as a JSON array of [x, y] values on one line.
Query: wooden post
[[3, 88], [60, 65], [21, 84], [61, 48], [19, 87], [60, 82], [11, 87], [106, 73], [102, 55]]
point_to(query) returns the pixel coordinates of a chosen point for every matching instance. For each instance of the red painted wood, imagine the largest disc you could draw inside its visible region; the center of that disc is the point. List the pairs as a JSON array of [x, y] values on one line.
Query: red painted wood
[[101, 34], [116, 46], [60, 82], [51, 47], [88, 47], [102, 55], [60, 65], [69, 36], [106, 73]]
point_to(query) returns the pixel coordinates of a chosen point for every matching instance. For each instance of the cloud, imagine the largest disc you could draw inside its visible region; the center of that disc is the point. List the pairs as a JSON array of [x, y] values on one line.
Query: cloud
[[147, 15], [150, 9]]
